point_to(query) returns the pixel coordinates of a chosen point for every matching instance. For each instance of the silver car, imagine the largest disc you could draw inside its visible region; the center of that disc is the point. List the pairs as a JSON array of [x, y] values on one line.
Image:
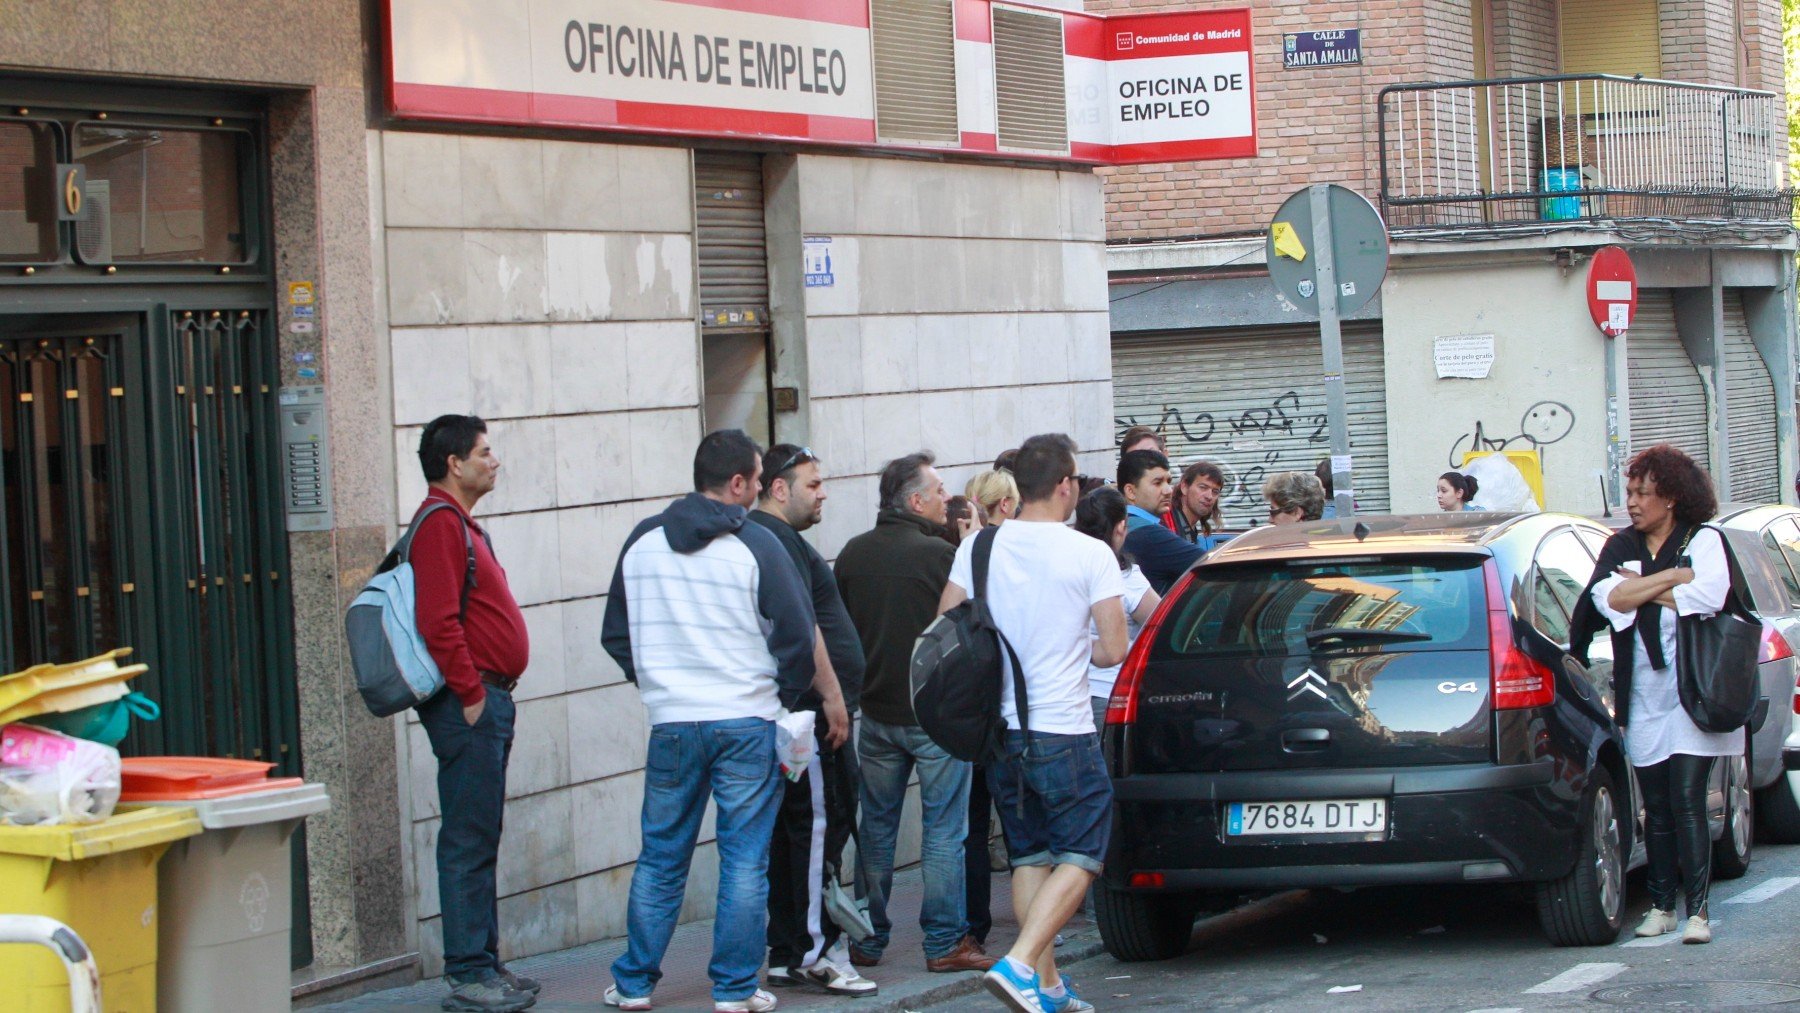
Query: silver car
[[1775, 747]]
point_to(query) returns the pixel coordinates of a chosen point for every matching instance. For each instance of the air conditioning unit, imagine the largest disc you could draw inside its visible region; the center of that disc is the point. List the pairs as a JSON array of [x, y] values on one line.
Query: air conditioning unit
[[93, 233]]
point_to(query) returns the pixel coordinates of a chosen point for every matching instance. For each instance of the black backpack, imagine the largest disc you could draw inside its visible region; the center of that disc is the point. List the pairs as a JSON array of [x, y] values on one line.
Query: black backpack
[[957, 672]]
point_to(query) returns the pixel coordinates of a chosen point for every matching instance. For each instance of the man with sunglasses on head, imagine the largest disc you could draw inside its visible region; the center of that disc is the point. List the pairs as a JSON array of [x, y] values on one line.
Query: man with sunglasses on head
[[818, 810]]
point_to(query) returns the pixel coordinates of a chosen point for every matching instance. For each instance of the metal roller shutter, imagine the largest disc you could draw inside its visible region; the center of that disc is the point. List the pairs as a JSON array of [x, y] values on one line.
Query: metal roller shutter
[[1750, 409], [733, 243], [1254, 401], [1668, 399]]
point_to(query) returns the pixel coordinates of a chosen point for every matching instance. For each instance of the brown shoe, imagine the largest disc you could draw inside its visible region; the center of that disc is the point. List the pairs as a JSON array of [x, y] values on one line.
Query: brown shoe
[[968, 956], [861, 959]]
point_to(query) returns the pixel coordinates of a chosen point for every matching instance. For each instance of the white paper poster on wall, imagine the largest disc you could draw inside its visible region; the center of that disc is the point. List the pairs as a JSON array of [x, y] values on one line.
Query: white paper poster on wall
[[1467, 356]]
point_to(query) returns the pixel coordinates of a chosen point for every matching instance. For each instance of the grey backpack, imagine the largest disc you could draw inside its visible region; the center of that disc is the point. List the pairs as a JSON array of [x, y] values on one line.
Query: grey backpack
[[394, 668]]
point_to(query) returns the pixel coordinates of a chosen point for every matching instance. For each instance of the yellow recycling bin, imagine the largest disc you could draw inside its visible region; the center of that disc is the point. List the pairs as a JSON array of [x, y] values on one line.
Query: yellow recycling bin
[[99, 879]]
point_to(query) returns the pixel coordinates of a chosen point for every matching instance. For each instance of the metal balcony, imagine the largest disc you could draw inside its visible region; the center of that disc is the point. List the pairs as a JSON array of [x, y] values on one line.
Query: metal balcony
[[1579, 149]]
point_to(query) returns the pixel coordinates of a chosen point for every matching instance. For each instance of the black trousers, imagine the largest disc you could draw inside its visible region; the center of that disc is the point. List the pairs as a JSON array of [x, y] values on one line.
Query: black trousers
[[817, 815], [1675, 834], [978, 875], [472, 798]]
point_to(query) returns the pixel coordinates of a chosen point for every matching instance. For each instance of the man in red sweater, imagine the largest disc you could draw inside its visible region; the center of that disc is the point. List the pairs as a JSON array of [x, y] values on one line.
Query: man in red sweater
[[477, 636]]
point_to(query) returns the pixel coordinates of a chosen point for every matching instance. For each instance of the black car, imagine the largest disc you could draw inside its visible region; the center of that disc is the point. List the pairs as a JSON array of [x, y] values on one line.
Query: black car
[[1375, 701]]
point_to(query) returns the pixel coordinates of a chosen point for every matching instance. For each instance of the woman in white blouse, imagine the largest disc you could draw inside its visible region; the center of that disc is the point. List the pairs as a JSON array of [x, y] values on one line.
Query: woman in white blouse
[[1101, 514], [1666, 564]]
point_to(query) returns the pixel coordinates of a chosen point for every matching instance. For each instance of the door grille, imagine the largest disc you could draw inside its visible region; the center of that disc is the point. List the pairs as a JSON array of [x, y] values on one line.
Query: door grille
[[61, 436]]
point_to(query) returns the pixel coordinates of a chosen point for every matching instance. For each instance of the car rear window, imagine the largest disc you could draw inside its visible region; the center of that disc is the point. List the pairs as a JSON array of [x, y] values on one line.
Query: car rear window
[[1311, 607]]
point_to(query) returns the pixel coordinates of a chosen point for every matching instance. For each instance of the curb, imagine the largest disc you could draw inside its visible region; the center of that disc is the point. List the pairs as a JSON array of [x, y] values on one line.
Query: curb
[[1074, 948]]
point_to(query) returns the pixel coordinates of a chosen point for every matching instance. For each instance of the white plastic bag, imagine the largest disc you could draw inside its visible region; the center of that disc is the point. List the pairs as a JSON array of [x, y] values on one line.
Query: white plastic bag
[[794, 743], [1500, 485], [48, 777]]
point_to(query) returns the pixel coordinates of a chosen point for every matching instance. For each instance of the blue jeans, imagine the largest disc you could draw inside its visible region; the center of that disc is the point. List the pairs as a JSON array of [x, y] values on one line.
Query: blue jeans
[[1055, 800], [888, 754], [734, 762], [472, 798]]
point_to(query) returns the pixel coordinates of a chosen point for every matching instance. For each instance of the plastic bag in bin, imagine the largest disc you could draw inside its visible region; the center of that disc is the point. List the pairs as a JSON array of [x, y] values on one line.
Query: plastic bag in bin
[[47, 777], [795, 745]]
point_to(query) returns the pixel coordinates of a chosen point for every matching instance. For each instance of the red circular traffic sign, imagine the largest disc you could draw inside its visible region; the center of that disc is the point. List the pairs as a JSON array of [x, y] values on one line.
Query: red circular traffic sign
[[1612, 291]]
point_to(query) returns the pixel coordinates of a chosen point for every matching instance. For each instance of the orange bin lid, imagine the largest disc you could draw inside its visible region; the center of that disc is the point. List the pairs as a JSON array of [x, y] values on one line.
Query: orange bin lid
[[178, 778]]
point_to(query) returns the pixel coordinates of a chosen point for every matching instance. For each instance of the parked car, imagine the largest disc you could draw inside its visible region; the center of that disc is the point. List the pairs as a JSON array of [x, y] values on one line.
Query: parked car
[[1375, 701], [1775, 753]]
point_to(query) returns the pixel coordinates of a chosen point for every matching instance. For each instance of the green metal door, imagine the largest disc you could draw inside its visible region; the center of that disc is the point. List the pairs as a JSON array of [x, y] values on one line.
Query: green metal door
[[141, 507]]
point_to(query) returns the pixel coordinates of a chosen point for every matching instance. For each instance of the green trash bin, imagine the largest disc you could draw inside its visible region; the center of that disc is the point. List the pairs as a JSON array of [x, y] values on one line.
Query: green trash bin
[[227, 906]]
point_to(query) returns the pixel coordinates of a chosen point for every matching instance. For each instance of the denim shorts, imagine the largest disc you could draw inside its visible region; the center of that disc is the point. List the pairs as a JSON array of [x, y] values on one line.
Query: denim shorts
[[1055, 800]]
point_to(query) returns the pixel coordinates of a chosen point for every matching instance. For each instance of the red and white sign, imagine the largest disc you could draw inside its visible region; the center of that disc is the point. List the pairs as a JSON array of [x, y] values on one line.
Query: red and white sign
[[1180, 86], [1154, 87], [1612, 291]]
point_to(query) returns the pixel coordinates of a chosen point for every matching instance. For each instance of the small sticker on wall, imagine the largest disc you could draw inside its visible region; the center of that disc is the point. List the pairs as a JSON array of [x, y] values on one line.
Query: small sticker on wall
[[300, 293], [300, 327]]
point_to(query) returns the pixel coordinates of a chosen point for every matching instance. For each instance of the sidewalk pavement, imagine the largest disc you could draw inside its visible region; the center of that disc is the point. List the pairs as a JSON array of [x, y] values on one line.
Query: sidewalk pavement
[[574, 979]]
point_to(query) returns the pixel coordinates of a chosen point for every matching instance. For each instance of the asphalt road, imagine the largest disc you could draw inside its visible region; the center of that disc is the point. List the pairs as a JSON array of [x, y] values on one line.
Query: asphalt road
[[1461, 948]]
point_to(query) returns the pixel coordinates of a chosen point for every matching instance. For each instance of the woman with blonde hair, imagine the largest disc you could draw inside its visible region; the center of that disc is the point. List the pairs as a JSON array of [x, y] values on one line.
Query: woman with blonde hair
[[995, 493]]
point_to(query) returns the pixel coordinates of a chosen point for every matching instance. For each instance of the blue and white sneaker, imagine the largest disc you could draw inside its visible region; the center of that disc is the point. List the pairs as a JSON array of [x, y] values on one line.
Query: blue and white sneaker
[[1069, 1003], [1020, 994]]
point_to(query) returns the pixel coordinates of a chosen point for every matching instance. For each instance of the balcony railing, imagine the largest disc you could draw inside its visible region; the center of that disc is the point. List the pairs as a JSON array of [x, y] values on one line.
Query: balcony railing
[[1566, 149]]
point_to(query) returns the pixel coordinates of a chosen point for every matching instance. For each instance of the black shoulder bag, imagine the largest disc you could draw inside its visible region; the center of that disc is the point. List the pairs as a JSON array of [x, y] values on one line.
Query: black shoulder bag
[[957, 672], [1715, 656]]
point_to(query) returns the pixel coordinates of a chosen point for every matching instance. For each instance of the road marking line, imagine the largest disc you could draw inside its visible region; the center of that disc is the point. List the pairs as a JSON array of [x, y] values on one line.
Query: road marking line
[[1663, 940], [1497, 1009], [1579, 976], [1778, 885]]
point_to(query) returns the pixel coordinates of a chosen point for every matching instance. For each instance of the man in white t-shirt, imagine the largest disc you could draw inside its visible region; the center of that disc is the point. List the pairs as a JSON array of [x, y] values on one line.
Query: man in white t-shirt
[[1047, 584]]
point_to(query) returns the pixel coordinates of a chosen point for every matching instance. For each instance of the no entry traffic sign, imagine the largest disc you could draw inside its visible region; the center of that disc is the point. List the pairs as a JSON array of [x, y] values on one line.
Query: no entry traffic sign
[[1612, 291]]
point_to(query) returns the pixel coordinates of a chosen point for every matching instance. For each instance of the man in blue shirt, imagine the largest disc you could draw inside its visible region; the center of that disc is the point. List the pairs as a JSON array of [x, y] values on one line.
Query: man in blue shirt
[[1162, 554]]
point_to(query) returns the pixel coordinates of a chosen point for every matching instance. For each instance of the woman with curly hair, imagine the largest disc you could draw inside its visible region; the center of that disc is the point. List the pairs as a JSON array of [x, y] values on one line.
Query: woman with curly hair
[[1293, 496], [1666, 564]]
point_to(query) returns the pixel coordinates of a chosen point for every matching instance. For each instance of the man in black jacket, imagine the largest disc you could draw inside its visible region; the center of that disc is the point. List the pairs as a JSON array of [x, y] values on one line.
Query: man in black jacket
[[818, 810], [890, 579]]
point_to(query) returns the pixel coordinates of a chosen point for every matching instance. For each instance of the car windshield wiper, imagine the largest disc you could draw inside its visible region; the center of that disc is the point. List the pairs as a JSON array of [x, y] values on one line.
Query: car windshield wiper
[[1318, 637]]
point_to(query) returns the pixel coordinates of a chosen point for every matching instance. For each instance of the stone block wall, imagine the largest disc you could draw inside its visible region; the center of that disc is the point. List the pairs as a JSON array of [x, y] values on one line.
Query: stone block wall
[[549, 287], [969, 314]]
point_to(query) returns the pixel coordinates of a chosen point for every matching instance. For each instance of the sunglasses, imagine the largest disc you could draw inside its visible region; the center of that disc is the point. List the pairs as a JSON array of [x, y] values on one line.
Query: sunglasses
[[800, 456]]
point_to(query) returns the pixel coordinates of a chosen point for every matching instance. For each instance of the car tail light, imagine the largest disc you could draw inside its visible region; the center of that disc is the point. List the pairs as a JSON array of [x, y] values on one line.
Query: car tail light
[[1774, 647], [1147, 880], [1121, 707], [1519, 680]]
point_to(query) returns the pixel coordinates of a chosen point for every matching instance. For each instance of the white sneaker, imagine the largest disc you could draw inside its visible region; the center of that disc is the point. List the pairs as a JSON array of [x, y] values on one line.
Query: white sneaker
[[836, 978], [758, 1001], [1656, 922], [1699, 930], [613, 998]]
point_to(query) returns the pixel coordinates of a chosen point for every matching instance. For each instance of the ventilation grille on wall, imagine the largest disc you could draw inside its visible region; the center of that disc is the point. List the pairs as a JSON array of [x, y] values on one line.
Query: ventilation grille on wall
[[1028, 80], [915, 70]]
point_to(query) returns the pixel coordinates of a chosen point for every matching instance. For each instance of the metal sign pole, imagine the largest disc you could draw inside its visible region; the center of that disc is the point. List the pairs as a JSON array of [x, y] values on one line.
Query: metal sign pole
[[1331, 339], [1618, 421]]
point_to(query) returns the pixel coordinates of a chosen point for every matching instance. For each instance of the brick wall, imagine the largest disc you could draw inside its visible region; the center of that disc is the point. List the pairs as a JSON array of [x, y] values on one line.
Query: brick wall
[[1316, 125], [1699, 40], [1764, 59], [1524, 42], [1320, 124]]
